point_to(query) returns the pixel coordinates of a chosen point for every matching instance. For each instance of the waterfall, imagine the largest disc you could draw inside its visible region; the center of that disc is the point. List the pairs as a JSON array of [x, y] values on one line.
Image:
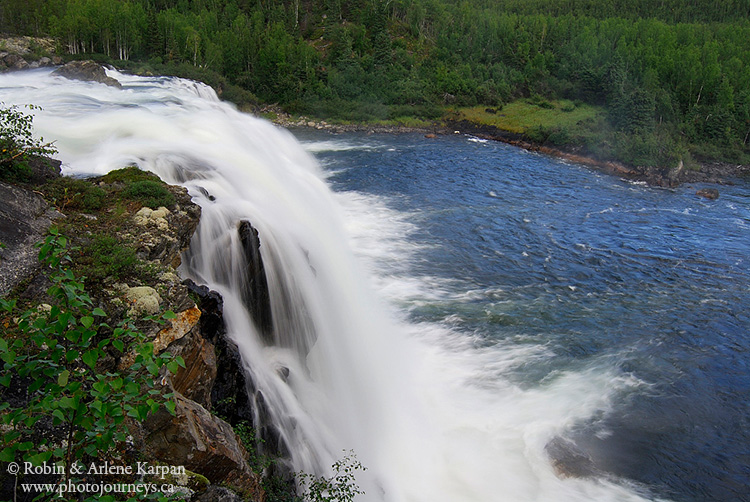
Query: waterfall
[[336, 368]]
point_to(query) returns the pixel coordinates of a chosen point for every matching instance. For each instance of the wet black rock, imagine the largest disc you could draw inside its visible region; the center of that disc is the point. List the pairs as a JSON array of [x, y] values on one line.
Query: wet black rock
[[569, 460], [255, 294]]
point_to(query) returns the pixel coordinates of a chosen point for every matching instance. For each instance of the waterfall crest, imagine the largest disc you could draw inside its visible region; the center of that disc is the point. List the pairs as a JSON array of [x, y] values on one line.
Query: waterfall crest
[[335, 369]]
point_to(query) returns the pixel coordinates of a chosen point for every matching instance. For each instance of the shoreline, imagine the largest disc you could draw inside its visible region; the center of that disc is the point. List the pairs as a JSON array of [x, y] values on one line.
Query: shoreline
[[713, 172]]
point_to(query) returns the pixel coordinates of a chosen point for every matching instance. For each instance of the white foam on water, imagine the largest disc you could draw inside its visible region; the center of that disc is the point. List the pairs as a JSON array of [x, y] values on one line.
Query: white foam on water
[[430, 412]]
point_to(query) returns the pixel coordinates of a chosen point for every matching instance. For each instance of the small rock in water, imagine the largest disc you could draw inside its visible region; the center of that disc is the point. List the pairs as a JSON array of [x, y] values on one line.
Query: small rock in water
[[708, 193], [568, 460]]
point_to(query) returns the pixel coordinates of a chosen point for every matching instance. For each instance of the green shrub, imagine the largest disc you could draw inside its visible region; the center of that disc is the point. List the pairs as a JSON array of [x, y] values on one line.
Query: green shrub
[[56, 354], [17, 144], [106, 257], [149, 193], [341, 487], [71, 193]]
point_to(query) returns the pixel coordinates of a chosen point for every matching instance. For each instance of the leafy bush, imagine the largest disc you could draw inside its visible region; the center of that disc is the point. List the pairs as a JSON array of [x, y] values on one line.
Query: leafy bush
[[341, 487], [17, 144], [64, 358], [149, 193]]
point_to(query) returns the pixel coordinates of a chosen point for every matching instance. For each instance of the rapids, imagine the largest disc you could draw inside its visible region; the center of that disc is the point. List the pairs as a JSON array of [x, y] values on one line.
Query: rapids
[[382, 358]]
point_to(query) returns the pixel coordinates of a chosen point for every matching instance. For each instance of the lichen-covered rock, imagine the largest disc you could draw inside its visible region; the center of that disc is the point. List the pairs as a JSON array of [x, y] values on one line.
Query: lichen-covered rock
[[164, 234], [143, 300]]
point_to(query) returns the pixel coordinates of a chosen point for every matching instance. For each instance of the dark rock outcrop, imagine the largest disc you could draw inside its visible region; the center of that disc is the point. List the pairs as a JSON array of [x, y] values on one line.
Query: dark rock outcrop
[[256, 294], [231, 390], [88, 71], [24, 219], [568, 460]]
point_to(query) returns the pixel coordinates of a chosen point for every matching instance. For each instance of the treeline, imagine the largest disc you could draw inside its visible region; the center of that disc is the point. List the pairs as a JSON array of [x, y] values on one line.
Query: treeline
[[673, 75]]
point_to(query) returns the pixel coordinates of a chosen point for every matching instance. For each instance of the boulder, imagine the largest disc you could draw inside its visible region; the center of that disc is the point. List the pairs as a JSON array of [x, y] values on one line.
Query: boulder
[[88, 71], [43, 169], [143, 300], [164, 234], [708, 193], [203, 443]]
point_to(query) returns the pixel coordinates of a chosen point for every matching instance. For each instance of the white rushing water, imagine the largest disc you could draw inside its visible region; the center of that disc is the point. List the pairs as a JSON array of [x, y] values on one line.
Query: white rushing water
[[429, 412]]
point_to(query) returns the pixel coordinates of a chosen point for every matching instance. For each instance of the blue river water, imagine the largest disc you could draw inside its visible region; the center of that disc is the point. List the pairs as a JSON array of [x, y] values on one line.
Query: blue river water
[[530, 250]]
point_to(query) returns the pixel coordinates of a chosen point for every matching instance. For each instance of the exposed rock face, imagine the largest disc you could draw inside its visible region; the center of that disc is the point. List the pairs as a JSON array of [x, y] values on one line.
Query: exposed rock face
[[88, 71], [24, 219], [256, 295], [231, 391], [202, 443], [194, 437], [163, 234]]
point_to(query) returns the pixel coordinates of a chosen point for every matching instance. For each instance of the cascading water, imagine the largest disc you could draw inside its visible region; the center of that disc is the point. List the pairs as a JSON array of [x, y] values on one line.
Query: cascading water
[[426, 410]]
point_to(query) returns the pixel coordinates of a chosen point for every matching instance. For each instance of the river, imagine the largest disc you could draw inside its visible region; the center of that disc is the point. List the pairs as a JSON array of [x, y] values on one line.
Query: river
[[476, 322]]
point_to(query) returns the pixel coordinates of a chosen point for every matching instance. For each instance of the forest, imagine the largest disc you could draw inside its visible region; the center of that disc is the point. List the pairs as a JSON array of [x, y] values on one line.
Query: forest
[[670, 78]]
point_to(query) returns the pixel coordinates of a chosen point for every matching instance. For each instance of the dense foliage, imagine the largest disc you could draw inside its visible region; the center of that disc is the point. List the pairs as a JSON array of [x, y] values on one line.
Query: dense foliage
[[672, 74], [66, 400]]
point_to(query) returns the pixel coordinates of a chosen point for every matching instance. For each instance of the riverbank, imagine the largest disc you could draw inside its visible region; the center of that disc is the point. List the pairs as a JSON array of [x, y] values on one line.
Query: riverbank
[[669, 177]]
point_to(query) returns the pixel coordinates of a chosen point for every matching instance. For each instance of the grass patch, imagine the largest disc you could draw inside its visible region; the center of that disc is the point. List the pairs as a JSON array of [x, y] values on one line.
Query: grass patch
[[522, 116]]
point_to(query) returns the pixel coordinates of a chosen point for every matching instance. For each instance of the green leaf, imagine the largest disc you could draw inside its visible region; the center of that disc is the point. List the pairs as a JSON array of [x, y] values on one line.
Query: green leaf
[[62, 379], [169, 315], [59, 416], [173, 367], [117, 383], [91, 357], [40, 458], [8, 454], [87, 321], [98, 312], [170, 406], [119, 345]]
